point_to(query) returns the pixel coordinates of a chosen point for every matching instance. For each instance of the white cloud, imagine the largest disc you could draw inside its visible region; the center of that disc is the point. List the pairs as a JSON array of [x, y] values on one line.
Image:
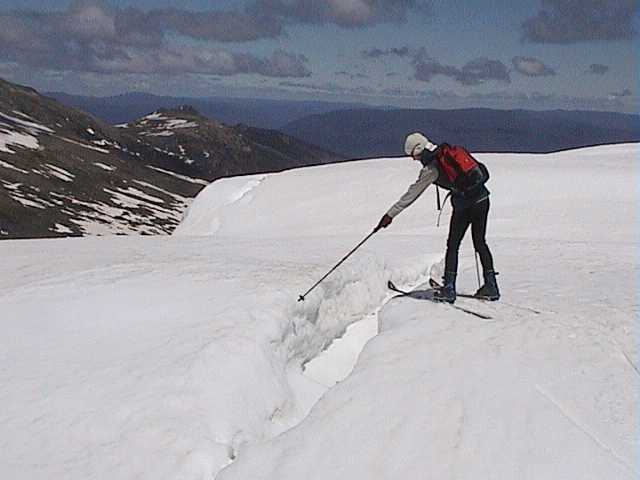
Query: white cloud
[[531, 67]]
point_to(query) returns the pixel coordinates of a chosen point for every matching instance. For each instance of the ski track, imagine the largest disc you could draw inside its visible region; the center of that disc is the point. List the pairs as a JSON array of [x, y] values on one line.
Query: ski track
[[583, 428], [630, 362]]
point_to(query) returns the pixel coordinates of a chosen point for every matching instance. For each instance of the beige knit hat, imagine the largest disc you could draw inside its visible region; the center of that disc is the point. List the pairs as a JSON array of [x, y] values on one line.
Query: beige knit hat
[[416, 143]]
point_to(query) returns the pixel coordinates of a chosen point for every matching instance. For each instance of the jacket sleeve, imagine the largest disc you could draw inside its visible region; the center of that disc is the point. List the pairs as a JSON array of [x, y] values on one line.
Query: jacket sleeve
[[427, 176]]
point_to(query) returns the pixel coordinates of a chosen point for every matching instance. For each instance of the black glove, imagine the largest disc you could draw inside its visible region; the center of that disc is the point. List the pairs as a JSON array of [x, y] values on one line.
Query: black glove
[[384, 222]]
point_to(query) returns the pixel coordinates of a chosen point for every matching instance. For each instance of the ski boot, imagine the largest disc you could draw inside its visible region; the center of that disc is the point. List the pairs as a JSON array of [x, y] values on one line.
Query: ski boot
[[489, 291], [446, 293]]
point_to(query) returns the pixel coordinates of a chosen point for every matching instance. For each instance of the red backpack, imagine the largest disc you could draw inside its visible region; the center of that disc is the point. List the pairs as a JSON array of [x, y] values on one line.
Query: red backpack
[[456, 161]]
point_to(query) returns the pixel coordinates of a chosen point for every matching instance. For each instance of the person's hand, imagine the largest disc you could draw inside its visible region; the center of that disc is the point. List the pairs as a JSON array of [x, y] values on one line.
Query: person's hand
[[384, 222]]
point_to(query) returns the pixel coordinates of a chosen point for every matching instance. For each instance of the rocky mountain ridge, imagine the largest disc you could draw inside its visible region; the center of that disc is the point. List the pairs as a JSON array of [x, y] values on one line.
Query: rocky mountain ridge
[[66, 173]]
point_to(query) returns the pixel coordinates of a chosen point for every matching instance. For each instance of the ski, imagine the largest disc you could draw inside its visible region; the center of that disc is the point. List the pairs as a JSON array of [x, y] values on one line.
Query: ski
[[392, 287], [435, 284]]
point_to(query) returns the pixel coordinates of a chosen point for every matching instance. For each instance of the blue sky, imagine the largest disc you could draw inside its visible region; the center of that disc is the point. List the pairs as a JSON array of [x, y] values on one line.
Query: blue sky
[[542, 54]]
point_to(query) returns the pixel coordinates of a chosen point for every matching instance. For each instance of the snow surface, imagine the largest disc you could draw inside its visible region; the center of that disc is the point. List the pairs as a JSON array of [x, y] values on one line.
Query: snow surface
[[156, 357]]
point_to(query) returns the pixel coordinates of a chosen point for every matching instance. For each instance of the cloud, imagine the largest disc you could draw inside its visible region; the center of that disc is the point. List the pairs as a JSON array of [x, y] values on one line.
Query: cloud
[[475, 72], [91, 36], [598, 69], [205, 86], [216, 25], [88, 20], [510, 100], [281, 64], [330, 88], [378, 53], [618, 95], [351, 76], [179, 60], [345, 13], [572, 21], [531, 67], [412, 93], [622, 101]]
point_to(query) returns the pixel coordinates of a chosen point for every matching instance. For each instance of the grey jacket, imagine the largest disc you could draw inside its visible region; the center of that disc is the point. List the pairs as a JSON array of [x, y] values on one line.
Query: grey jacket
[[427, 176]]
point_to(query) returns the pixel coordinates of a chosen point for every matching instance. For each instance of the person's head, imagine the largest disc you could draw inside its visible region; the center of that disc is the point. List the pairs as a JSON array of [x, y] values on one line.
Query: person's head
[[416, 143]]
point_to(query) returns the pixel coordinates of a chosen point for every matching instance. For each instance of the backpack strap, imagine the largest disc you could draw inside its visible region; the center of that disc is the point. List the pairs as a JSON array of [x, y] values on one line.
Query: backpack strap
[[448, 164]]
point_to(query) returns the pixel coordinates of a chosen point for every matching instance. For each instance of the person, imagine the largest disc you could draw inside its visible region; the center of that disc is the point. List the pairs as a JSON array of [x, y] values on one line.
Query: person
[[454, 169]]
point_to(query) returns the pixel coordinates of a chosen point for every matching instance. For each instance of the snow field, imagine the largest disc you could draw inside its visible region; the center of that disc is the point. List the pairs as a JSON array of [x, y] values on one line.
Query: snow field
[[148, 357], [178, 357], [438, 394]]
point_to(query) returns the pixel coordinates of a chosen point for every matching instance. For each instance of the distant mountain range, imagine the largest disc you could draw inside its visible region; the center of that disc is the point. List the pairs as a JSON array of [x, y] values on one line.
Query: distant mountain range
[[64, 172], [357, 132], [362, 133], [260, 113]]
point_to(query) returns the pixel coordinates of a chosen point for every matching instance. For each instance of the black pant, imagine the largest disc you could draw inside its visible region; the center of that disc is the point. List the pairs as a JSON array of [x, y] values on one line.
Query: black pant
[[476, 216]]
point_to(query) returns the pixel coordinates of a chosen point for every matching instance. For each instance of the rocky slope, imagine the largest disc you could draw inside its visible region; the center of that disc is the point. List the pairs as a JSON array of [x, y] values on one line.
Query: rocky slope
[[64, 172]]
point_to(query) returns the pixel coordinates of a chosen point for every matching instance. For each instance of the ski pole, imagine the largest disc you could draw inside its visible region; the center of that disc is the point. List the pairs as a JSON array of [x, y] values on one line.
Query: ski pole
[[301, 297], [477, 268]]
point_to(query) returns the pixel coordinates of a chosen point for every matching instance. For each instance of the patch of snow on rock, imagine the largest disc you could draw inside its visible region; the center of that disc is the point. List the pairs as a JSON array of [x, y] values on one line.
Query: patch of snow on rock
[[59, 228], [198, 181], [60, 173], [31, 126], [9, 165], [141, 194], [16, 139], [104, 167], [90, 147]]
